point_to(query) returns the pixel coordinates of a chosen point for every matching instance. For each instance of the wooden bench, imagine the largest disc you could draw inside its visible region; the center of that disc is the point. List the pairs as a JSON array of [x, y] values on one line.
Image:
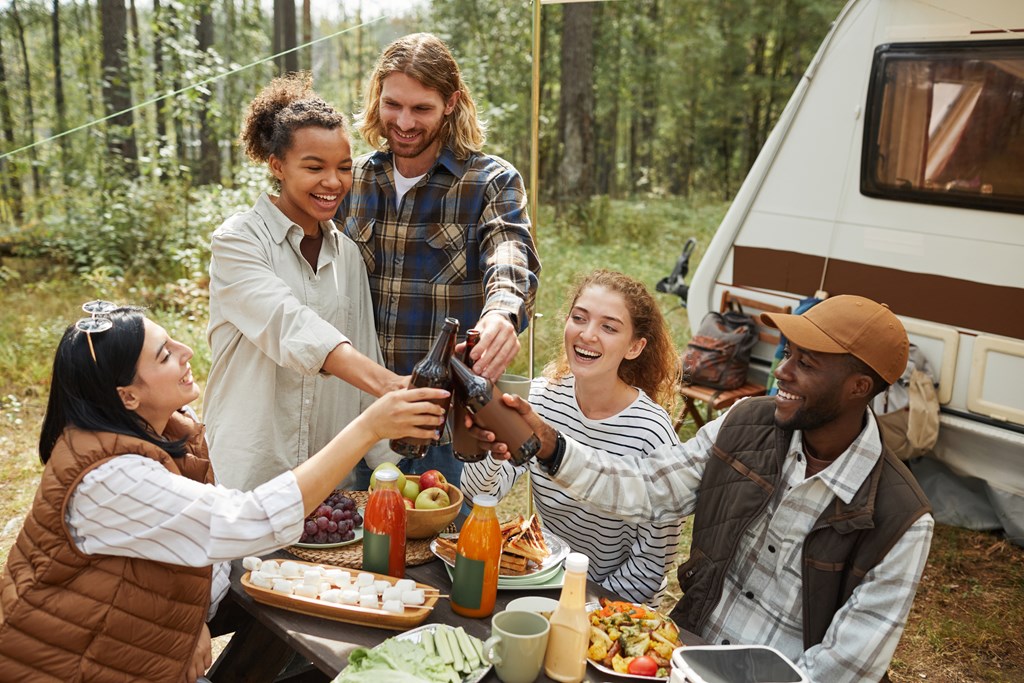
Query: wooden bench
[[716, 400]]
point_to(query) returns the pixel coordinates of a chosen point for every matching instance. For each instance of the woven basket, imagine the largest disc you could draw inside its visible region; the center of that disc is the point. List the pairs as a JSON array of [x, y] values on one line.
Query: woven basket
[[416, 551]]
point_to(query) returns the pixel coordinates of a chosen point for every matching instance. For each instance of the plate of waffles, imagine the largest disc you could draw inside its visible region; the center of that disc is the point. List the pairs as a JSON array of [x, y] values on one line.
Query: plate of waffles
[[529, 553]]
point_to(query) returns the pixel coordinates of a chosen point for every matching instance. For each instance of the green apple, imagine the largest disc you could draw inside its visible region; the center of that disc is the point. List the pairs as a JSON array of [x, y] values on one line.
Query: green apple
[[388, 466], [432, 499], [411, 489]]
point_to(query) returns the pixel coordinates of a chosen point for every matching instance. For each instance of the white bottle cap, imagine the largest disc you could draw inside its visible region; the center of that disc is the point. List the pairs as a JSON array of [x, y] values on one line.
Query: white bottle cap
[[387, 474], [576, 562], [485, 500]]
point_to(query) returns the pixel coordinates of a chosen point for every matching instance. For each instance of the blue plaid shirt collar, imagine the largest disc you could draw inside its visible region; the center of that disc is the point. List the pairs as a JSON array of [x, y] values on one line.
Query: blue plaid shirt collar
[[384, 161]]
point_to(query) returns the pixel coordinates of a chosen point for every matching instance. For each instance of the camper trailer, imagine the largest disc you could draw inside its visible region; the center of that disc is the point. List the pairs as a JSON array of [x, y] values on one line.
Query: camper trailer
[[896, 172]]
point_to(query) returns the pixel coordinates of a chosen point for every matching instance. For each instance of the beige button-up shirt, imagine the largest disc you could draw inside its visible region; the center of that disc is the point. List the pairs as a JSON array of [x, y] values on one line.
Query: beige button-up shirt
[[272, 323]]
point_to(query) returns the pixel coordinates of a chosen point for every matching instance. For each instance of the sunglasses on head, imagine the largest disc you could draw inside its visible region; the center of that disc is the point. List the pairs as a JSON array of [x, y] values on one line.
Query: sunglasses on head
[[96, 322]]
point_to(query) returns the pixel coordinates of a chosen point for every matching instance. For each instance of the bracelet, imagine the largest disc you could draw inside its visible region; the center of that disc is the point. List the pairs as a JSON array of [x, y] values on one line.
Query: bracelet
[[556, 458]]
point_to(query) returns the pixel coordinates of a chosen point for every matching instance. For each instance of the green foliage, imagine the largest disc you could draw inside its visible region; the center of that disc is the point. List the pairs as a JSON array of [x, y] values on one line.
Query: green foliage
[[137, 228]]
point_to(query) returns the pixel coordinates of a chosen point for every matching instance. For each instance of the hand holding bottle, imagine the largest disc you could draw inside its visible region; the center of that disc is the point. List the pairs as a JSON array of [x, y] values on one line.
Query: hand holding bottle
[[405, 413], [545, 432]]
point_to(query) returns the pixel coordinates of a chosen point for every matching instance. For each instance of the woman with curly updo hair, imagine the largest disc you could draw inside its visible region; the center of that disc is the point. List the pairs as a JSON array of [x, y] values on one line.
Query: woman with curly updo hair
[[616, 365], [294, 350]]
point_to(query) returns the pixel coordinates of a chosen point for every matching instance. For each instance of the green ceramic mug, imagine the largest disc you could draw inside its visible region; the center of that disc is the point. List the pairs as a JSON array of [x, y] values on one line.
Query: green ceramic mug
[[516, 646]]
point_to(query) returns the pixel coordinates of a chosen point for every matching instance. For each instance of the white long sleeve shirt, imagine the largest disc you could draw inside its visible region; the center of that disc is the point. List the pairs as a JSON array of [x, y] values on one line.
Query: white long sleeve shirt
[[762, 600], [131, 506]]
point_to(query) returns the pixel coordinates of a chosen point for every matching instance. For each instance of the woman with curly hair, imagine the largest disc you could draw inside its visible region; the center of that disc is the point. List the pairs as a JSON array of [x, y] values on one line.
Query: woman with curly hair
[[617, 364], [294, 349]]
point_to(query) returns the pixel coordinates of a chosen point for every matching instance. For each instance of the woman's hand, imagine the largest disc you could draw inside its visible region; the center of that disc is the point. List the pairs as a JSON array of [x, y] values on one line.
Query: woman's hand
[[413, 413], [202, 658]]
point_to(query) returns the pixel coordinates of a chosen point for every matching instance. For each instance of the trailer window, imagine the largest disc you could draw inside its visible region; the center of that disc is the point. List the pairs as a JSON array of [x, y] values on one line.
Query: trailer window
[[945, 125]]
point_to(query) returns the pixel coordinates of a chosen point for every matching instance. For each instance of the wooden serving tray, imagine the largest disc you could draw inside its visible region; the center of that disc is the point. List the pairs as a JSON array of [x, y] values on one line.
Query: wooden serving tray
[[352, 614]]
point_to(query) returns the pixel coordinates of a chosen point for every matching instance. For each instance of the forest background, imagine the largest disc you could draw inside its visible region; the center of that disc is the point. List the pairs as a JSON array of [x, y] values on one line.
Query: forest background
[[119, 156]]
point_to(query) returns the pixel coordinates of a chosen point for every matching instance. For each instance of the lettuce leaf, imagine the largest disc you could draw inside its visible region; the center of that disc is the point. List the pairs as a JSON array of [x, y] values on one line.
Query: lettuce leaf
[[398, 661]]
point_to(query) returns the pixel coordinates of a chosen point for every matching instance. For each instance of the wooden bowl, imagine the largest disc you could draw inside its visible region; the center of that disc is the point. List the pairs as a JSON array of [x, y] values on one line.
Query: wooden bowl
[[429, 523]]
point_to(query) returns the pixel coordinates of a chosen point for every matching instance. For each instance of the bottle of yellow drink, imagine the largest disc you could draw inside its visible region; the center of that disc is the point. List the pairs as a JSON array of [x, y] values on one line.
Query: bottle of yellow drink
[[566, 657], [475, 578]]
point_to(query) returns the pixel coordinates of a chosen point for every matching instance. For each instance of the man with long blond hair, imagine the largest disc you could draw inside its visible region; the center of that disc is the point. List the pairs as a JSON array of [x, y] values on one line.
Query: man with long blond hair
[[443, 227]]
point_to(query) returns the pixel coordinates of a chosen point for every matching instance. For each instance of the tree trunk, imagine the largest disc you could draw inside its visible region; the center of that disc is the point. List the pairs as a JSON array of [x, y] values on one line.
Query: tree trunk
[[159, 107], [9, 178], [117, 94], [59, 106], [29, 112], [307, 36], [284, 36], [577, 102], [208, 171]]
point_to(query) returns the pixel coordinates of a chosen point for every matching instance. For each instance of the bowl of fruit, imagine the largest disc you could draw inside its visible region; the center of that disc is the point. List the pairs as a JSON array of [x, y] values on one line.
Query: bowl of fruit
[[334, 523], [431, 502]]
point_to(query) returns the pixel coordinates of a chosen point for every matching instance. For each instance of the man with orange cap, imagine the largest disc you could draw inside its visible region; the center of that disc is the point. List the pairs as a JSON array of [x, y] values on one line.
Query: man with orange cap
[[809, 535]]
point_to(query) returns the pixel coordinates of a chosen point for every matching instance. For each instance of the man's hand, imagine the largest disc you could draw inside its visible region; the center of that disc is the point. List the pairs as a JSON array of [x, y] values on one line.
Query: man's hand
[[202, 658], [545, 432], [497, 347]]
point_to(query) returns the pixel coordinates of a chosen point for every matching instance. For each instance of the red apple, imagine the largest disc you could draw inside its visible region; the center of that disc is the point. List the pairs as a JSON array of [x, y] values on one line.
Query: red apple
[[432, 499], [432, 479], [409, 505]]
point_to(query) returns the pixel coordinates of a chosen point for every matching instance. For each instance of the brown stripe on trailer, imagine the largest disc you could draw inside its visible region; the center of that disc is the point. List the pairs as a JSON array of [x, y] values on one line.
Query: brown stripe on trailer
[[951, 301]]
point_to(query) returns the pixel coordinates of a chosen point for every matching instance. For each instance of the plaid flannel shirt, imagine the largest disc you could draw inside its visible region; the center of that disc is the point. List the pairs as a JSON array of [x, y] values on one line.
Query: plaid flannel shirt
[[459, 245], [761, 601]]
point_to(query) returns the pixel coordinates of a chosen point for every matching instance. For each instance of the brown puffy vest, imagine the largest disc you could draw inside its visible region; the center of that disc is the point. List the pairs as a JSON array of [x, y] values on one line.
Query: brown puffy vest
[[846, 542], [67, 616]]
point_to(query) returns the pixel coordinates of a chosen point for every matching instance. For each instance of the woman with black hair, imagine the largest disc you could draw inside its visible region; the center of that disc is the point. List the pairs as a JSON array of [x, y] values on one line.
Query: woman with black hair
[[124, 555]]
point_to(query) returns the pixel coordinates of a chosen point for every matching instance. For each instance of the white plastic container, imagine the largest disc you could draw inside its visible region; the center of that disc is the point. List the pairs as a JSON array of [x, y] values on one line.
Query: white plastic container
[[733, 664]]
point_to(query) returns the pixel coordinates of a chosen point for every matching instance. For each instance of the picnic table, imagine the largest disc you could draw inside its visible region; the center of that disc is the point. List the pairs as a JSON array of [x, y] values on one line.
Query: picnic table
[[267, 638]]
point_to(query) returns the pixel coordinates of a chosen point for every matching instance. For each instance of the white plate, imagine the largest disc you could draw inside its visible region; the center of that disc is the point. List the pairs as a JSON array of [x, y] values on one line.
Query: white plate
[[591, 606], [554, 581], [415, 634], [559, 549], [324, 546]]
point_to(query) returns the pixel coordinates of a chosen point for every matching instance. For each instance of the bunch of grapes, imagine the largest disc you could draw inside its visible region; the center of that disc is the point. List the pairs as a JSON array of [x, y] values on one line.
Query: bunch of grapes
[[333, 521]]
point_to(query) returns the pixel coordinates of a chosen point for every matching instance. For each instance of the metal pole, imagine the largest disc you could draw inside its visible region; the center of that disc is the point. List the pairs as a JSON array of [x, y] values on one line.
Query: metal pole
[[534, 189]]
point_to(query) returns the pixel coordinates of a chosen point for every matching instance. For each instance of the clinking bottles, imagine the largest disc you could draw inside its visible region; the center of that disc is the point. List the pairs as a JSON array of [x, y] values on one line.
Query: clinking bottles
[[477, 556], [566, 657], [466, 448], [384, 527], [431, 372], [483, 400]]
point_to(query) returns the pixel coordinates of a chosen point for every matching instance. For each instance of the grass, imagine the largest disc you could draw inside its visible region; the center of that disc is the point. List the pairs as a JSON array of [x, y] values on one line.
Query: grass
[[967, 620]]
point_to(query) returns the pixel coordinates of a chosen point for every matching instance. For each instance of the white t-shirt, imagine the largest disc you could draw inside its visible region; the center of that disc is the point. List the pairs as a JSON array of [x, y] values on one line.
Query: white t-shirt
[[403, 185]]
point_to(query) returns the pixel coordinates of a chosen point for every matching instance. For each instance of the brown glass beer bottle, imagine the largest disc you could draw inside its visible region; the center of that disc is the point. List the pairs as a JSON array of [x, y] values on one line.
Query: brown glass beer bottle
[[464, 445], [431, 372]]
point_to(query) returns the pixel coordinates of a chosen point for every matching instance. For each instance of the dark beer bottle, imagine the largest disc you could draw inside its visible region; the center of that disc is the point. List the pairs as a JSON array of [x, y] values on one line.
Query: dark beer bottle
[[464, 445], [431, 372], [483, 400]]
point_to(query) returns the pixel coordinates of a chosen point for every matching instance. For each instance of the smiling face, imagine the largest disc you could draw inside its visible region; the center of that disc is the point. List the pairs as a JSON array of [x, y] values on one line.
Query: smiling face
[[599, 334], [315, 174], [412, 116], [813, 388], [163, 378]]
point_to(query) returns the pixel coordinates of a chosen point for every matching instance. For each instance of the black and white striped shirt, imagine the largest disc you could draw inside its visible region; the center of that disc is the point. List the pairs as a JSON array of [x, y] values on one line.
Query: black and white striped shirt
[[628, 559]]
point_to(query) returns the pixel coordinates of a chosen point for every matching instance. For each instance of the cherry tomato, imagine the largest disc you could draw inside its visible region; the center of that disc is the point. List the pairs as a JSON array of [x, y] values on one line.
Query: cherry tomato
[[642, 666]]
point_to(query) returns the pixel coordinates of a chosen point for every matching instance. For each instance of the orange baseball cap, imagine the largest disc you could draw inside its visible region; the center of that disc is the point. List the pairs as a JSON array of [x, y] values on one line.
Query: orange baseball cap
[[849, 324]]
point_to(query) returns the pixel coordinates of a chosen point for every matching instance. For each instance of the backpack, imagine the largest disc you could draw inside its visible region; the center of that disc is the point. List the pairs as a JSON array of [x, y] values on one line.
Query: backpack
[[908, 411], [718, 355]]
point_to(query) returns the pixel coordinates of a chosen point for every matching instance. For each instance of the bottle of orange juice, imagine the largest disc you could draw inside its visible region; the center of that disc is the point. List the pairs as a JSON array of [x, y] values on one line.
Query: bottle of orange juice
[[384, 527], [478, 553]]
